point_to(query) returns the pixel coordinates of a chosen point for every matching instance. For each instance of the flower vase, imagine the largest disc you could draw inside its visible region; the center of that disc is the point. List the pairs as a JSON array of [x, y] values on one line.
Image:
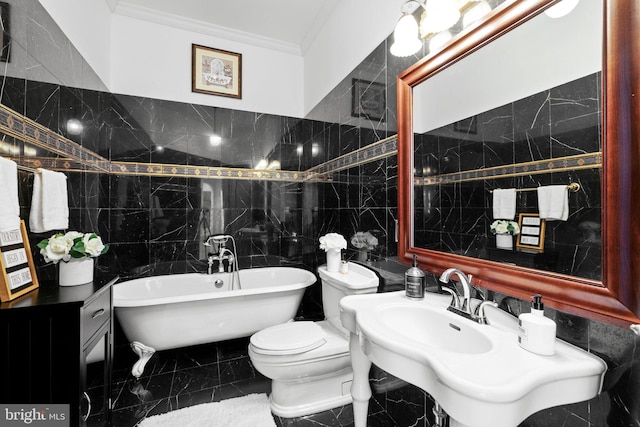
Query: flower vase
[[363, 255], [77, 271], [333, 260], [504, 241]]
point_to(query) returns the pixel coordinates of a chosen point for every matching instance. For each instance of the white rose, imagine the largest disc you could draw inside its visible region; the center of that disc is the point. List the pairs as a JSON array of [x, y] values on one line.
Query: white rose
[[73, 235], [70, 236], [93, 246], [57, 249], [501, 228], [332, 241]]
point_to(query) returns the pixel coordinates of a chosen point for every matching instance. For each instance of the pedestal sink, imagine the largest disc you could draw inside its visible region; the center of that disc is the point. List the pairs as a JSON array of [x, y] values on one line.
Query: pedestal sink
[[477, 373]]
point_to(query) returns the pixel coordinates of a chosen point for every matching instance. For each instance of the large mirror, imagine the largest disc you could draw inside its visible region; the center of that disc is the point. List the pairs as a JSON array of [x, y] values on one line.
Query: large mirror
[[520, 102]]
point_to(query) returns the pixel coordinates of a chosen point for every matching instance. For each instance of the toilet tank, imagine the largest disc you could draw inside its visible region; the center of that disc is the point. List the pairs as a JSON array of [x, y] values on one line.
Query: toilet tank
[[335, 286]]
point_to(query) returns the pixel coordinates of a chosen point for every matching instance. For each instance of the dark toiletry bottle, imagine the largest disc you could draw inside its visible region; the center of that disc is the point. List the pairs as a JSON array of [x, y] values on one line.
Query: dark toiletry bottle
[[414, 281]]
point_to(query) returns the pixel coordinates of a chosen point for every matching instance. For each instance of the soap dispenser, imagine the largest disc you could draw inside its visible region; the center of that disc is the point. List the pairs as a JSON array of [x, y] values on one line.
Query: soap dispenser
[[537, 333], [414, 281]]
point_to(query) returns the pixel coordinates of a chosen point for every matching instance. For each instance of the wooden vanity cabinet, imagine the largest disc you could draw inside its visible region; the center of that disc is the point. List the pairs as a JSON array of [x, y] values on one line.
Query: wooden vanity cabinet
[[46, 339]]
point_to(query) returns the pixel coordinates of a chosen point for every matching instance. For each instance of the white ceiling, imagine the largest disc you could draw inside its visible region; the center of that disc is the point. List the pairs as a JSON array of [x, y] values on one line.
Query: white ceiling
[[286, 25]]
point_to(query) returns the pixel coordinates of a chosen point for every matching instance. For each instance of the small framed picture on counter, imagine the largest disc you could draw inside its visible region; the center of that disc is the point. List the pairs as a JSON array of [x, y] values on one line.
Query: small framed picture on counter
[[17, 274], [531, 237]]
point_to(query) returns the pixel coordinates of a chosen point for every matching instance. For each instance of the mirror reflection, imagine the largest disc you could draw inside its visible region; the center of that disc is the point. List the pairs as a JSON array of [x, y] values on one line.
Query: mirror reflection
[[522, 121]]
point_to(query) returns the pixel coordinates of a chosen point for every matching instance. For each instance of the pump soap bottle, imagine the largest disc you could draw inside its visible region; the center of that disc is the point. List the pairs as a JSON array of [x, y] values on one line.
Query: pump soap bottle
[[537, 333], [414, 281]]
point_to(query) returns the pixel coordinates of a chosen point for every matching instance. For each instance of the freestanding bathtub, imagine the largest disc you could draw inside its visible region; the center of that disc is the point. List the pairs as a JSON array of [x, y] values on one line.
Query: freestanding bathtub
[[178, 310]]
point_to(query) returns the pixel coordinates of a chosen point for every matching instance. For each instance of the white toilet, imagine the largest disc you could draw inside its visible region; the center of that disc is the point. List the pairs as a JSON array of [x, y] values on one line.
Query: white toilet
[[308, 362]]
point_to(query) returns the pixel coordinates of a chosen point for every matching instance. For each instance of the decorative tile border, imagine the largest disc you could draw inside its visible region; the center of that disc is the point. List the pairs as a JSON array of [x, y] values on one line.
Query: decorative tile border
[[378, 150], [204, 172], [560, 164], [16, 125], [78, 158]]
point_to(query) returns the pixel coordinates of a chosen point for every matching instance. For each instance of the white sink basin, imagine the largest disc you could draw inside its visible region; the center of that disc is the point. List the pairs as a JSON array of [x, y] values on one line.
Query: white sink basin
[[433, 327], [478, 373]]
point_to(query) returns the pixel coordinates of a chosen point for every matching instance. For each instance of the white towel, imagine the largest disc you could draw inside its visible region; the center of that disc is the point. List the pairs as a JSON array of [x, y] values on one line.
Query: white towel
[[49, 204], [553, 202], [504, 203], [9, 202]]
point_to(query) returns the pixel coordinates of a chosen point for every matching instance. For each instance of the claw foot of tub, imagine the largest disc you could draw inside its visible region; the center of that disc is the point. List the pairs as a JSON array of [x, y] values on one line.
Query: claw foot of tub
[[144, 353]]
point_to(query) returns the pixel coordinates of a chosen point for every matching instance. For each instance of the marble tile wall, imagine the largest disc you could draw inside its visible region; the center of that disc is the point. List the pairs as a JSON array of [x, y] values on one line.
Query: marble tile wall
[[560, 122]]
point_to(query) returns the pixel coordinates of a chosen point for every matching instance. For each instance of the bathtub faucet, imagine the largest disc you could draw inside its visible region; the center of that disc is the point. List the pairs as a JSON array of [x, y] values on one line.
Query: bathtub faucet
[[224, 254]]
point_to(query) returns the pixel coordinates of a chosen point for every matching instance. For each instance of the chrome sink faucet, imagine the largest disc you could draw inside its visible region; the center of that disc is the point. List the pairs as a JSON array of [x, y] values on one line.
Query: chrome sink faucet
[[464, 308], [465, 281]]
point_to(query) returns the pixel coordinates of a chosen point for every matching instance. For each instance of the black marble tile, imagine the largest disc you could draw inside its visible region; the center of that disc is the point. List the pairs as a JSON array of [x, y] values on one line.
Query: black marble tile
[[234, 370], [13, 93], [532, 144], [42, 103]]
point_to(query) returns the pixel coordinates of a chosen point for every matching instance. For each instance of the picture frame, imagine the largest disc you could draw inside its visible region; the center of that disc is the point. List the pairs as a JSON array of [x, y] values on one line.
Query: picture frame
[[531, 236], [216, 72], [17, 271], [5, 35], [368, 99]]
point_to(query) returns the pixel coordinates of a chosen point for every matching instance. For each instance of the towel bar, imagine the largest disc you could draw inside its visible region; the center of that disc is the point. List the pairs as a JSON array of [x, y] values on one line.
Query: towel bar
[[574, 187]]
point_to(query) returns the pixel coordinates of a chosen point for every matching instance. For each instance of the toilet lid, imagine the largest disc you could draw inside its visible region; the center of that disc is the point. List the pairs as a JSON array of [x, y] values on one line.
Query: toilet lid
[[288, 338]]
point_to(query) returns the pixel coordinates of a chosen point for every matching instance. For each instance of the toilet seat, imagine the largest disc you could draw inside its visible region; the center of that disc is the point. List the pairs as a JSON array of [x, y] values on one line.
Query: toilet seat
[[288, 338]]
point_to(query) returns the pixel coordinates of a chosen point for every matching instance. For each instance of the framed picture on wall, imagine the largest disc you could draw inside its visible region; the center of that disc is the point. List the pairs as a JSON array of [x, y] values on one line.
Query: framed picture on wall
[[368, 99], [216, 72], [5, 38], [531, 237]]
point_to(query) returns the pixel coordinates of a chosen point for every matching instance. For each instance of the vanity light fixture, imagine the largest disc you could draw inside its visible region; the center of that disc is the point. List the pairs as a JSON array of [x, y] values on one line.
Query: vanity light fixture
[[438, 40], [405, 37], [475, 13], [561, 9], [437, 18]]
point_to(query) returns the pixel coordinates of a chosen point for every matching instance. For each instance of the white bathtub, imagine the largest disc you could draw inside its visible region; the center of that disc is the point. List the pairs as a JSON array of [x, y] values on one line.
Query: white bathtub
[[178, 310]]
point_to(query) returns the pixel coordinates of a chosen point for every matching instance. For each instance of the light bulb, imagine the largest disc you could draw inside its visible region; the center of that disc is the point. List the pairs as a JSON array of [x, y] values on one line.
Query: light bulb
[[561, 9], [439, 40], [405, 37], [475, 13], [440, 15]]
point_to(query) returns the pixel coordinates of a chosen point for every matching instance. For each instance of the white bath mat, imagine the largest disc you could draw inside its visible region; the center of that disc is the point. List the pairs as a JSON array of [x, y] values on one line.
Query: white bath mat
[[246, 411]]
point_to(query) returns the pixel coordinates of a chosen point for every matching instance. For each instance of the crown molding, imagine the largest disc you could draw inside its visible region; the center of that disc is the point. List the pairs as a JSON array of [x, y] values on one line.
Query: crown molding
[[201, 27], [317, 24], [112, 4]]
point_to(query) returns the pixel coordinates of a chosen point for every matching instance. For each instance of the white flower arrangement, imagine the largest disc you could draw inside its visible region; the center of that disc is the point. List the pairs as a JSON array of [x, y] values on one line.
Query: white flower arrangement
[[72, 244], [504, 226], [364, 240], [333, 241]]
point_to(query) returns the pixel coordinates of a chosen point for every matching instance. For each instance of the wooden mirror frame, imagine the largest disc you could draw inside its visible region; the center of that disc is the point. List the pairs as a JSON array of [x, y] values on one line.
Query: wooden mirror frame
[[616, 299]]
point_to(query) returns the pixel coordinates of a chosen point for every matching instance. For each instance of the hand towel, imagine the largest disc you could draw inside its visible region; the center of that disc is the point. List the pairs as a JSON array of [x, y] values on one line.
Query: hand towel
[[553, 202], [9, 203], [504, 203], [49, 204]]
